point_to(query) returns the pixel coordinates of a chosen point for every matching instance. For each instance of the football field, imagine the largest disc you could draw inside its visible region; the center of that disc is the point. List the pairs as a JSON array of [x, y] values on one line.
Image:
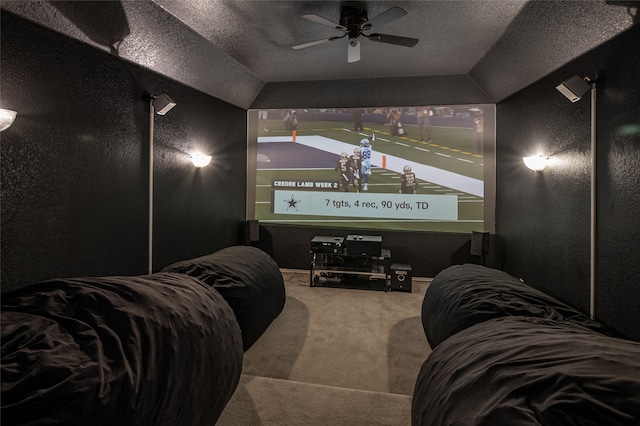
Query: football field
[[449, 164]]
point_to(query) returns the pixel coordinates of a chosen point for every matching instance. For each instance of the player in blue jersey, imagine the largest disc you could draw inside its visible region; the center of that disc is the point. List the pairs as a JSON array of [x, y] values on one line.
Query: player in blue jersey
[[366, 147]]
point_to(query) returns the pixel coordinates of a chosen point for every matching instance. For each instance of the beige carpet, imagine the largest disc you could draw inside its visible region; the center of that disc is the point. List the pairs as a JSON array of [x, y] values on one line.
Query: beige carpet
[[333, 357]]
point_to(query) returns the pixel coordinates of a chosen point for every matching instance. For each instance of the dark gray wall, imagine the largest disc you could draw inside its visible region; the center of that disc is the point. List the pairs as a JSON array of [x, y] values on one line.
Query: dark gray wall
[[74, 165], [453, 89], [544, 218]]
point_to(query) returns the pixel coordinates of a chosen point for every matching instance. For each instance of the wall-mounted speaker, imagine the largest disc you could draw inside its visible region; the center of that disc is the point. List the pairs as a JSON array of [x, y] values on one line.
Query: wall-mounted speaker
[[248, 232], [574, 88], [253, 230]]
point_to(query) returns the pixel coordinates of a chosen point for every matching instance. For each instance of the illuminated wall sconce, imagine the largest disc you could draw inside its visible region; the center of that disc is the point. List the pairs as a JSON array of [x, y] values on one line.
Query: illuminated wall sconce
[[6, 118], [162, 104], [536, 163], [200, 160]]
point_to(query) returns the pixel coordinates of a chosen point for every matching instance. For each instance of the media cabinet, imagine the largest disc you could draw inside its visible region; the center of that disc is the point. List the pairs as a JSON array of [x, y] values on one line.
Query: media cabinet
[[350, 271]]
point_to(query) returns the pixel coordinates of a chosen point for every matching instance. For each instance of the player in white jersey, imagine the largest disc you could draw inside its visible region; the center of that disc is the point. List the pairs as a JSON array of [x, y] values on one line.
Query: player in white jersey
[[366, 147]]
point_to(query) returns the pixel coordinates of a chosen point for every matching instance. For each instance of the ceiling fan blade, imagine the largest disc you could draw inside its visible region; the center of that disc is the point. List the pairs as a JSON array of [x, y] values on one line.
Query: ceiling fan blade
[[316, 42], [385, 17], [391, 39], [353, 51], [324, 21]]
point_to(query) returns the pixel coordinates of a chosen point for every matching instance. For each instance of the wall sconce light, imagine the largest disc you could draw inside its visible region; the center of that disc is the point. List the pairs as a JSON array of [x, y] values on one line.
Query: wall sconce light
[[6, 118], [200, 160], [574, 87], [536, 163], [162, 104]]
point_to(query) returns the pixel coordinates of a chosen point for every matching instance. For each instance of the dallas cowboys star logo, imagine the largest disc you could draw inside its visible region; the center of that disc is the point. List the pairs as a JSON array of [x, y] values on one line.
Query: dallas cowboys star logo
[[292, 203]]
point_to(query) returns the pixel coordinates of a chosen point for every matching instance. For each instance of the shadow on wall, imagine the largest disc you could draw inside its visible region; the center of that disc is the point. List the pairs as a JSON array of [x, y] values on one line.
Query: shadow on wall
[[104, 22]]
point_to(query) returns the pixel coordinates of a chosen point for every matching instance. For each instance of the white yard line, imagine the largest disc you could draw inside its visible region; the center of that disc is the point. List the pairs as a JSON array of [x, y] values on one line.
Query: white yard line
[[423, 172]]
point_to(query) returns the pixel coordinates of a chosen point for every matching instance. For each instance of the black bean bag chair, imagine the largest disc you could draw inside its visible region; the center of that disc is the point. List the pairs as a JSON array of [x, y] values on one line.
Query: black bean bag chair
[[463, 295], [162, 349], [248, 279], [515, 371]]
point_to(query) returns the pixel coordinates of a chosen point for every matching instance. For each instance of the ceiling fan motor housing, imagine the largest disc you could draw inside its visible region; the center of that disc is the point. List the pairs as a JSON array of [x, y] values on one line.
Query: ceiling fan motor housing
[[353, 19]]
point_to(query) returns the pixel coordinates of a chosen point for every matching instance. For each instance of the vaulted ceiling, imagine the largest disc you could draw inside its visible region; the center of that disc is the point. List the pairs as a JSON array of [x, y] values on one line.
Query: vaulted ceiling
[[231, 49]]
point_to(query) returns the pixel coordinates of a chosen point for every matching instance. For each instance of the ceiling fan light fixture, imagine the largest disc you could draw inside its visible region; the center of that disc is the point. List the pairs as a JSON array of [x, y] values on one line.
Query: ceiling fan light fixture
[[353, 51]]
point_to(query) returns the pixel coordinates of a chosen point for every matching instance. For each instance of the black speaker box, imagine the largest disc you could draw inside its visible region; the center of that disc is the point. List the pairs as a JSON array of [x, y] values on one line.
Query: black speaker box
[[249, 232], [400, 277], [479, 243], [253, 230]]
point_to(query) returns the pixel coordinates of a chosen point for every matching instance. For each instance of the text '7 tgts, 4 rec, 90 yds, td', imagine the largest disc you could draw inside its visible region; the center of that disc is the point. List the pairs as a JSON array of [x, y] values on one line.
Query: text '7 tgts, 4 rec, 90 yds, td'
[[406, 206]]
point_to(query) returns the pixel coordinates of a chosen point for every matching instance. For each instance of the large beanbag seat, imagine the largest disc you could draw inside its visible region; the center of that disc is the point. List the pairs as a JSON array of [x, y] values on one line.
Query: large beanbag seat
[[162, 349], [463, 295], [515, 371], [248, 279]]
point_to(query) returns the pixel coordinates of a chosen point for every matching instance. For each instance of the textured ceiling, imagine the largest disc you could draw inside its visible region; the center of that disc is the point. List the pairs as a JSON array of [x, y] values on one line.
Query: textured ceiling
[[232, 48], [454, 36]]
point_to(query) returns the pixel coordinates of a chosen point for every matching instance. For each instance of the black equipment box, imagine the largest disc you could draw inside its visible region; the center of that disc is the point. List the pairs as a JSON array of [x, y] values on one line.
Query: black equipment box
[[400, 277], [364, 245], [322, 244]]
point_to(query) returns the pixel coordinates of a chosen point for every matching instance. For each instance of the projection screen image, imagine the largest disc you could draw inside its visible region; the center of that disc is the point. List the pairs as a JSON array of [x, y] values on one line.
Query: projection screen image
[[425, 168]]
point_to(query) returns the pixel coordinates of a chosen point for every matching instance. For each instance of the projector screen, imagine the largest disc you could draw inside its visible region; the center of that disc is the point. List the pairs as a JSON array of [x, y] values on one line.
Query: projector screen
[[412, 168]]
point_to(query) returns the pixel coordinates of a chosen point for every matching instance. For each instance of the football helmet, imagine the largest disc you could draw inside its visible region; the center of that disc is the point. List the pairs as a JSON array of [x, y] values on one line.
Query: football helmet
[[344, 155], [406, 169], [357, 151]]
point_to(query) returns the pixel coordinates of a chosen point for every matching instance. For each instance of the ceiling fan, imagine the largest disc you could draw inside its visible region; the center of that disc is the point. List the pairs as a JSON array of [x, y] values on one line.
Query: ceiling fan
[[354, 23]]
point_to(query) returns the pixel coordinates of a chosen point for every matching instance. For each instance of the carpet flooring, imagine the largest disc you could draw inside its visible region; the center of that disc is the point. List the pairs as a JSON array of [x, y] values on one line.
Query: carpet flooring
[[334, 356]]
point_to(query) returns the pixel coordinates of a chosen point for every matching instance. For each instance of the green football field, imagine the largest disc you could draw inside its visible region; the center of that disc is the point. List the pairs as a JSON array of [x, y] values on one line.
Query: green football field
[[451, 149]]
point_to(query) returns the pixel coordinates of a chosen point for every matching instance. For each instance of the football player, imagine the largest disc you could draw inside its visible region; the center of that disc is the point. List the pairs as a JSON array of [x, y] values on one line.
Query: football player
[[345, 168], [356, 163], [366, 147], [408, 183]]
